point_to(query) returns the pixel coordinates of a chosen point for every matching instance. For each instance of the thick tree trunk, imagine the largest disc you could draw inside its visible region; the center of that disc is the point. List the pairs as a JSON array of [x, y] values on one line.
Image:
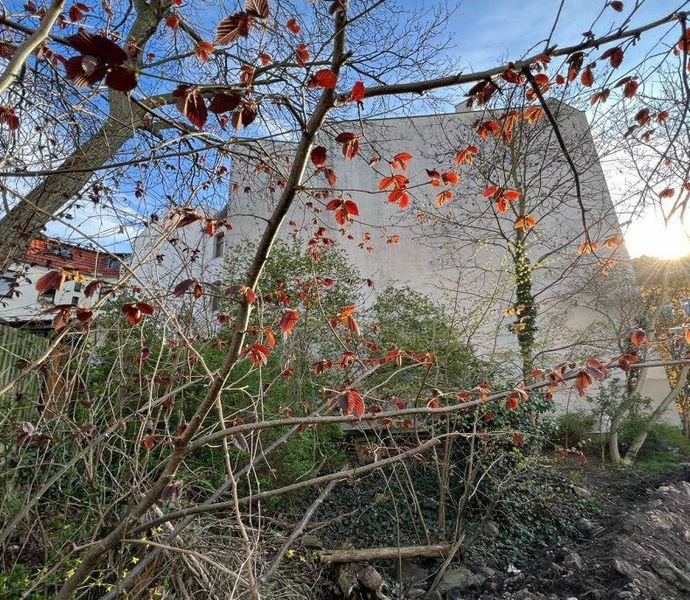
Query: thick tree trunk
[[28, 218], [35, 210]]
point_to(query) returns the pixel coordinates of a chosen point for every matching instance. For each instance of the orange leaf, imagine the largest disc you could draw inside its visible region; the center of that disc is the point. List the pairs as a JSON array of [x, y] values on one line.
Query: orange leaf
[[325, 78], [638, 337], [203, 51], [302, 54]]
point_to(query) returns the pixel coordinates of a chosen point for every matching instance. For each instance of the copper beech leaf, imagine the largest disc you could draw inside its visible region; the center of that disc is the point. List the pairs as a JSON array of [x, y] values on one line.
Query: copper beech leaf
[[288, 322], [191, 104], [257, 8], [318, 156], [324, 78], [233, 27]]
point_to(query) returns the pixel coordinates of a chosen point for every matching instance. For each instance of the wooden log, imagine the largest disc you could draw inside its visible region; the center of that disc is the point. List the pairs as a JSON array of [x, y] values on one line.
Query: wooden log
[[393, 553]]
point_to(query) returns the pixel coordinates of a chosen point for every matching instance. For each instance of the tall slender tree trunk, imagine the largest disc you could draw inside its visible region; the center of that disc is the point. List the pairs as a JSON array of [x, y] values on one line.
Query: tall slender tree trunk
[[641, 436], [626, 404]]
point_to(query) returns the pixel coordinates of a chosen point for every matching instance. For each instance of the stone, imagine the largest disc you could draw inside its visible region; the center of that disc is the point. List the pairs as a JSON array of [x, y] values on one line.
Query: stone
[[572, 562], [411, 573], [460, 578], [370, 579], [580, 492], [486, 571], [455, 593], [585, 527], [309, 540]]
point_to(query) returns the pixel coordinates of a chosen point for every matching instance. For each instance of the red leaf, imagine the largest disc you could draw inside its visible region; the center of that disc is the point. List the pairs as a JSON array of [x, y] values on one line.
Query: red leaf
[[288, 322], [355, 403], [203, 51], [302, 55], [173, 21], [248, 294], [626, 360], [667, 193], [351, 208], [84, 315], [78, 11], [630, 88], [85, 71], [325, 78], [258, 354], [121, 79], [450, 177], [587, 77], [50, 281], [350, 143], [444, 197], [182, 287], [211, 226], [233, 27], [318, 156], [91, 288], [293, 26], [7, 117], [221, 103], [358, 91], [191, 104], [615, 56], [616, 5], [245, 116], [99, 46]]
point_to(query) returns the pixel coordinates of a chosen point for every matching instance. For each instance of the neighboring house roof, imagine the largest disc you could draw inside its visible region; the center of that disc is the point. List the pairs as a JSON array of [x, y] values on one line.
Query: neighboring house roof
[[54, 254]]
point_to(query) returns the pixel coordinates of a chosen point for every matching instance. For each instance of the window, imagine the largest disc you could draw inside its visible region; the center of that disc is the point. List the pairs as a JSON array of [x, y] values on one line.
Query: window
[[218, 245], [48, 297], [75, 300], [215, 298], [77, 287], [61, 252], [112, 263]]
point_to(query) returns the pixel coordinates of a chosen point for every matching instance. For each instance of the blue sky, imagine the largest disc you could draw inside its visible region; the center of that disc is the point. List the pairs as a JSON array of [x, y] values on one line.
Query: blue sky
[[484, 34]]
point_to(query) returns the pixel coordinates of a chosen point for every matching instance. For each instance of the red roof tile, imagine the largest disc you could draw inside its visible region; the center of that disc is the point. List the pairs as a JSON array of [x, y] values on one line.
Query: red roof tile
[[59, 255]]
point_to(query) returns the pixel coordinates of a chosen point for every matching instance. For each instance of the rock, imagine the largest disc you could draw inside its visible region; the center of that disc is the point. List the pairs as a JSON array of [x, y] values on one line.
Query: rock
[[486, 571], [580, 492], [514, 581], [672, 574], [624, 568], [311, 541], [460, 578], [491, 529], [455, 594], [370, 579], [585, 527], [412, 573], [572, 562]]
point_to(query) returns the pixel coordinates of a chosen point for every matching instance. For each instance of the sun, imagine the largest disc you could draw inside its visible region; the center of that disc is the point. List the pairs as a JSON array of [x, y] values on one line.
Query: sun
[[650, 236]]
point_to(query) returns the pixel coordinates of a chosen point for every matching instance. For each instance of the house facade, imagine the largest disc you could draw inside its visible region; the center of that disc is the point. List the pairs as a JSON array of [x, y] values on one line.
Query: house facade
[[20, 302]]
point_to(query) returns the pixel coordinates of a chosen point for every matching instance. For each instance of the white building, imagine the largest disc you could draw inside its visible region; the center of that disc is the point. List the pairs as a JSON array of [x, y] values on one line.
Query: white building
[[458, 253]]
